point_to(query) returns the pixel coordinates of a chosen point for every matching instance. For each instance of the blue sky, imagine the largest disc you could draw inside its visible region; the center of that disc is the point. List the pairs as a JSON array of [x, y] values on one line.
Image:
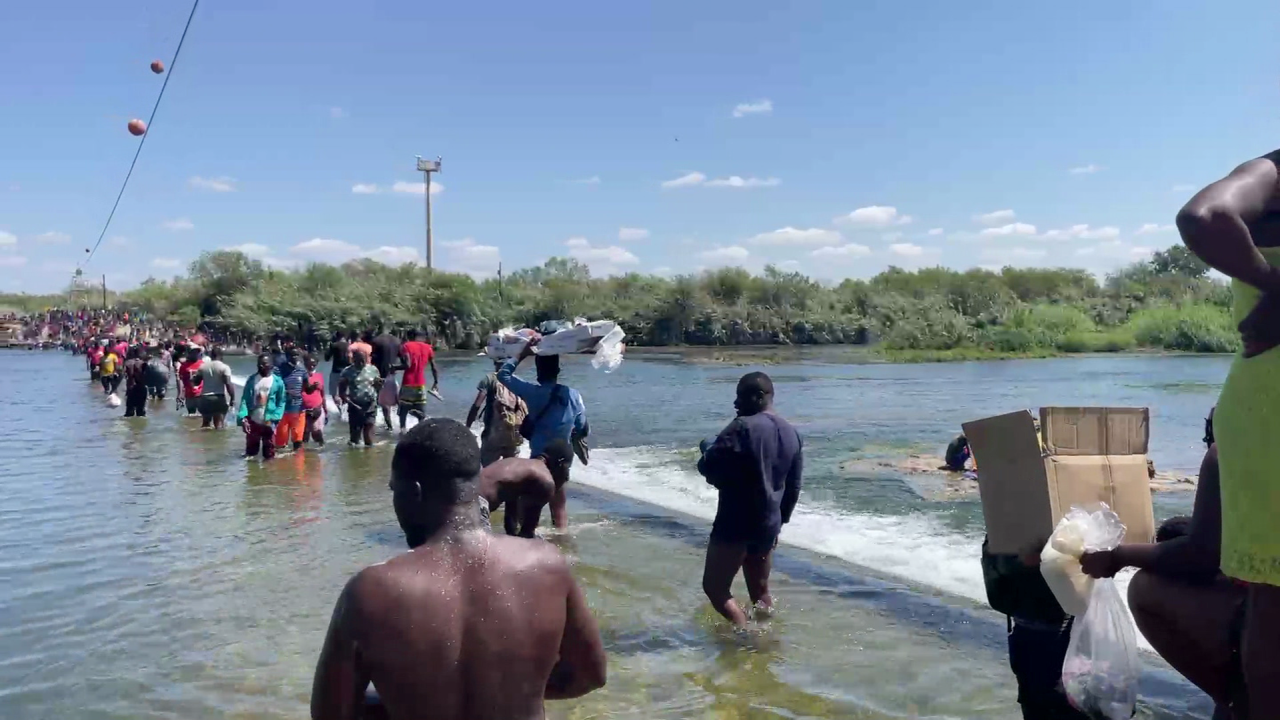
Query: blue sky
[[836, 138]]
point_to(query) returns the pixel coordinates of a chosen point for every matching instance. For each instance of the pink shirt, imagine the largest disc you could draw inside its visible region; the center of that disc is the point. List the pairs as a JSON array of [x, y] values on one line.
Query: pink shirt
[[313, 400]]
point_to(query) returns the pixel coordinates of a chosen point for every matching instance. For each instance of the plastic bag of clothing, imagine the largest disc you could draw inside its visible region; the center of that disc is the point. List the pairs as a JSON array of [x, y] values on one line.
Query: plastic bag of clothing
[[548, 327], [1078, 532], [609, 351], [1100, 673], [113, 400]]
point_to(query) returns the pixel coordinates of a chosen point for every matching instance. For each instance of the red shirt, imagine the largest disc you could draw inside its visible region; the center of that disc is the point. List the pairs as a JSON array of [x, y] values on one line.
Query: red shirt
[[313, 400], [419, 355], [188, 371]]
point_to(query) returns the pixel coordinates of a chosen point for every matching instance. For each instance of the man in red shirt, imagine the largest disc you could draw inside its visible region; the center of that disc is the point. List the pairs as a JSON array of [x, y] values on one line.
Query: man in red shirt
[[189, 376], [416, 357]]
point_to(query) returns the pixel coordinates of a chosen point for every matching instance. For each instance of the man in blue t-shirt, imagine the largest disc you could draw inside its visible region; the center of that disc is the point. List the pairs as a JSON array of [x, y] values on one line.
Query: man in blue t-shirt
[[556, 410], [756, 463]]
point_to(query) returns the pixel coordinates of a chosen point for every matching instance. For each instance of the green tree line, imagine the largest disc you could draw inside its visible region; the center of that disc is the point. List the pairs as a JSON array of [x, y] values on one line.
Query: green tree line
[[1168, 302]]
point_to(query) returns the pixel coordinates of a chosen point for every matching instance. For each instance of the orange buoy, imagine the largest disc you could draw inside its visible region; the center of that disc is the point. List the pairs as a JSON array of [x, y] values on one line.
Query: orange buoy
[[137, 127], [157, 67]]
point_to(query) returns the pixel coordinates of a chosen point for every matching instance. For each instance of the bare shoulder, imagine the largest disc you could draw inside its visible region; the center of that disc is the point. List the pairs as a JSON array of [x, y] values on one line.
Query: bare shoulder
[[529, 555]]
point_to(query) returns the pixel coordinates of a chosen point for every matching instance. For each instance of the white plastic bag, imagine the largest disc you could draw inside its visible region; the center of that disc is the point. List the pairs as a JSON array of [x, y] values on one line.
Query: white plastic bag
[[1100, 673], [609, 351], [1078, 532], [113, 400]]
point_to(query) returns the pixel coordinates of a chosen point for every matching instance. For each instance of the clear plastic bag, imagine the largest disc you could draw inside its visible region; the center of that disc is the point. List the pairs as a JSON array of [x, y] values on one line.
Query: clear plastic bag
[[1078, 532], [1100, 673], [609, 351]]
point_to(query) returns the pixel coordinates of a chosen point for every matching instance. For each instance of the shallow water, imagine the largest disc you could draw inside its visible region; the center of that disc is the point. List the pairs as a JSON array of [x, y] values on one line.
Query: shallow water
[[148, 572]]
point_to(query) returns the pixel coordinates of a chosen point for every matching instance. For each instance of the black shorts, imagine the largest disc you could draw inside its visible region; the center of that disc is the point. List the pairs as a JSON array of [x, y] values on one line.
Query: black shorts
[[359, 415], [211, 405], [755, 545]]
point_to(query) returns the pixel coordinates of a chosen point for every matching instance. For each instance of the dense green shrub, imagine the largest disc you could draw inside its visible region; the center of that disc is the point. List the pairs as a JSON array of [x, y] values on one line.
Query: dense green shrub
[[1190, 328]]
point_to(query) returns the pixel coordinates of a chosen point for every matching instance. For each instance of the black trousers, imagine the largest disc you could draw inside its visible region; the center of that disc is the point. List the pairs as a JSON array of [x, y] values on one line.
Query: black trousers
[[135, 401], [1036, 655]]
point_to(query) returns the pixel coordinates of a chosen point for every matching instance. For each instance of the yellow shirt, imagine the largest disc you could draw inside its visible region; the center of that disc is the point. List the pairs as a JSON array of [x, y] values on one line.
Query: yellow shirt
[[109, 363]]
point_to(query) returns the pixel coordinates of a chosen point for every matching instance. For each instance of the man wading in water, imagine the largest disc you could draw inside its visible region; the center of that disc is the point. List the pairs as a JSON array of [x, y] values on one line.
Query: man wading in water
[[525, 486], [756, 463], [466, 626]]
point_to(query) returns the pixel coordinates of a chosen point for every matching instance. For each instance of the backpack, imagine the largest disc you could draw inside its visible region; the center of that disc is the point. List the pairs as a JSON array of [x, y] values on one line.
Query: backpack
[[507, 411], [1018, 591]]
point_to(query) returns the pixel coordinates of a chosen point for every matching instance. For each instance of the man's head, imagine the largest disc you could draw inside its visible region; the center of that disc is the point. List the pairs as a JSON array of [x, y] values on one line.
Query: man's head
[[367, 336], [558, 455], [1174, 527], [215, 353], [193, 354], [311, 362], [548, 367], [358, 358], [755, 394], [412, 334], [337, 336], [295, 357], [1208, 427], [433, 471], [264, 364]]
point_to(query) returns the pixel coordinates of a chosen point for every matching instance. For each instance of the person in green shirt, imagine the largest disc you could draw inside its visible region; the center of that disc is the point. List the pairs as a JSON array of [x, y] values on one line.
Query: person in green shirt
[[358, 390], [261, 407]]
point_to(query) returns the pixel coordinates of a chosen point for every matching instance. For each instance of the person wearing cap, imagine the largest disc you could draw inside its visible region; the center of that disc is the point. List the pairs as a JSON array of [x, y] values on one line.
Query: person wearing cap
[[555, 412]]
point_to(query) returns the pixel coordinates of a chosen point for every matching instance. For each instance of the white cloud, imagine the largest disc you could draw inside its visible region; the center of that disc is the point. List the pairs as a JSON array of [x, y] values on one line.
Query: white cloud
[[368, 189], [179, 224], [629, 234], [725, 255], [891, 237], [12, 261], [221, 184], [735, 181], [996, 217], [1010, 229], [8, 239], [1083, 232], [906, 249], [875, 216], [337, 113], [166, 263], [1085, 169], [466, 255], [394, 256], [1117, 249], [604, 260], [936, 231], [1153, 229], [53, 238], [687, 180], [253, 250], [1183, 187], [326, 249], [841, 252], [593, 180], [796, 236], [415, 188], [759, 107]]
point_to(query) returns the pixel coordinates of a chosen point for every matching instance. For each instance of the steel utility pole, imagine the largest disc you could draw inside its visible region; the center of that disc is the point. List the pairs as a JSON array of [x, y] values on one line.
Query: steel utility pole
[[426, 167]]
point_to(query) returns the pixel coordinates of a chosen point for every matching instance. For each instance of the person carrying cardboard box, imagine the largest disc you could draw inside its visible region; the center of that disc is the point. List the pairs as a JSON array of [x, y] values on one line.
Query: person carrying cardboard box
[[1030, 474]]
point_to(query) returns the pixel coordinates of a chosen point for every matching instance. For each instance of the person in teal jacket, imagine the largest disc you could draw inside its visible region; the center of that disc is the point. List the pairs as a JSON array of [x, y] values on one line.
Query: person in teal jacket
[[261, 407]]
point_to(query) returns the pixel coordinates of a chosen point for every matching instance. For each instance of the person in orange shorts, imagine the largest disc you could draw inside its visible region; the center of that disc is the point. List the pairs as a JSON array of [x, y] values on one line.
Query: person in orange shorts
[[291, 427]]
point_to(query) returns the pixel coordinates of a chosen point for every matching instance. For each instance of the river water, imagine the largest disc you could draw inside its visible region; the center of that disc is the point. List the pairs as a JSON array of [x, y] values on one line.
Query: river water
[[147, 571]]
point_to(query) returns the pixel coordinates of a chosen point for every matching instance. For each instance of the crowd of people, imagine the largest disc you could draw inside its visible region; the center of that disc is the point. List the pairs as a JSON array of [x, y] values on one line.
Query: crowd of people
[[530, 633], [1205, 595]]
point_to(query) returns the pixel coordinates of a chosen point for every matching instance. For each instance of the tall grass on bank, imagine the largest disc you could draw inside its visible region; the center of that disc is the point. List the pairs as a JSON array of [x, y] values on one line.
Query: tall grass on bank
[[1190, 328]]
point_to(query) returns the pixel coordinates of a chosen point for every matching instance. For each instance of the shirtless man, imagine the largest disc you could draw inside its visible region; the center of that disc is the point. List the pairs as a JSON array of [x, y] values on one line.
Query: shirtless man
[[466, 626], [526, 486]]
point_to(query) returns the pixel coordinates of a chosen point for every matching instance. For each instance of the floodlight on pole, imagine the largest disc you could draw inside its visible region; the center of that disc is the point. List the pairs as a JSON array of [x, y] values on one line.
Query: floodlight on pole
[[426, 167]]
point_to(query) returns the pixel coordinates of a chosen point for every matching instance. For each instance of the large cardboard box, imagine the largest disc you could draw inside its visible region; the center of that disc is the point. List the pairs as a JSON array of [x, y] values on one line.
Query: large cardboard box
[[1029, 479]]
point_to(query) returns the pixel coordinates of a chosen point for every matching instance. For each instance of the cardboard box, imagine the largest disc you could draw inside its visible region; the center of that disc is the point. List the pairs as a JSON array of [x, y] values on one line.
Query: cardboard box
[[1082, 456]]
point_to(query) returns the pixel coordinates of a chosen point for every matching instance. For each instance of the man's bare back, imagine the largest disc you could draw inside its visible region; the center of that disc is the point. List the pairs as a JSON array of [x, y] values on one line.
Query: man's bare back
[[468, 625]]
